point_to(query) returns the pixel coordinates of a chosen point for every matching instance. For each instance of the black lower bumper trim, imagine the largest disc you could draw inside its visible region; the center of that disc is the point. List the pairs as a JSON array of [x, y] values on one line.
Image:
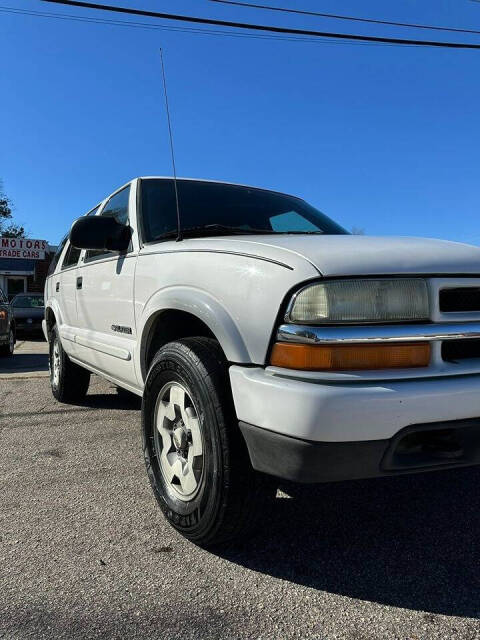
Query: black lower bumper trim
[[417, 448]]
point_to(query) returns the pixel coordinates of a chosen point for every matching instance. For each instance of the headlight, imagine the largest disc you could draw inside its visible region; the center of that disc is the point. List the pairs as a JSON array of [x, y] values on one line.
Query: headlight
[[360, 301]]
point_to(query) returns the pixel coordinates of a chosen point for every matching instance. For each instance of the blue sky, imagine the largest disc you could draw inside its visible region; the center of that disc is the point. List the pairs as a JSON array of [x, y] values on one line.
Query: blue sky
[[380, 137]]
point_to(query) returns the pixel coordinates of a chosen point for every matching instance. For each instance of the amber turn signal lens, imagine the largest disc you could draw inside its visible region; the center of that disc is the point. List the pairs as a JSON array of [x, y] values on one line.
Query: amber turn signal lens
[[3, 315], [348, 357]]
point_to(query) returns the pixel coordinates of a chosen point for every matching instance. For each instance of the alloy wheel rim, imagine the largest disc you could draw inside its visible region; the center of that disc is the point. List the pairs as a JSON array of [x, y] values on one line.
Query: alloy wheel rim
[[179, 441]]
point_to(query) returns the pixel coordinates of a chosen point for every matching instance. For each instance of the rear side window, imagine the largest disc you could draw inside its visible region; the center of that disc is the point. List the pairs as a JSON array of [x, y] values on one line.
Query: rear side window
[[71, 257], [116, 207]]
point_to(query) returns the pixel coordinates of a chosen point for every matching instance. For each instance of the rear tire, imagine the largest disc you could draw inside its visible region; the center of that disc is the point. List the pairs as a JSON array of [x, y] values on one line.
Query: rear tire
[[196, 458], [68, 380], [7, 349]]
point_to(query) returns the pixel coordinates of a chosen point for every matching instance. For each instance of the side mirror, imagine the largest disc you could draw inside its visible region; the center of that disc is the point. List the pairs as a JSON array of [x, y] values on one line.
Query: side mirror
[[100, 232]]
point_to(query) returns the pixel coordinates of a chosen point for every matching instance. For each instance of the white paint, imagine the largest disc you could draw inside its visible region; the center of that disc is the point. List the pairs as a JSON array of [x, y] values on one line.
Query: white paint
[[349, 412], [236, 286]]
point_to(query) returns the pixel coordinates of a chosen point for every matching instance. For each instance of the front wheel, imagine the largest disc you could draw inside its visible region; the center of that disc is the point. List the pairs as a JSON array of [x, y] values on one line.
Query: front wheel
[[195, 455], [69, 381]]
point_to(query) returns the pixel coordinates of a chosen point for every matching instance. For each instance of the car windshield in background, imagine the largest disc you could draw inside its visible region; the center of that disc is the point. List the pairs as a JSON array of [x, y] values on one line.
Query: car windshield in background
[[28, 302], [210, 208]]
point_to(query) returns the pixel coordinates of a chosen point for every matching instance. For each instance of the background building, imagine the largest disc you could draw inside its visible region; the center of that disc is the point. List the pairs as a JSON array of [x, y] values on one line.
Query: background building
[[24, 265]]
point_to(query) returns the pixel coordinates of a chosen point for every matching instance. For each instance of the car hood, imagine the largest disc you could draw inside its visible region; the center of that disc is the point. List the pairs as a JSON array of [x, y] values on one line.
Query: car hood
[[350, 255]]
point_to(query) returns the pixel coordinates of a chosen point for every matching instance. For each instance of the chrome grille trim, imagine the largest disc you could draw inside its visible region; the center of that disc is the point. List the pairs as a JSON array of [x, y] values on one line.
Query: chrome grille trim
[[378, 333]]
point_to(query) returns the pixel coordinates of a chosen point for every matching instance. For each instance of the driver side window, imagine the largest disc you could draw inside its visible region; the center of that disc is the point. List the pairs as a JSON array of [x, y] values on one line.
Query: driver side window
[[116, 207], [71, 257]]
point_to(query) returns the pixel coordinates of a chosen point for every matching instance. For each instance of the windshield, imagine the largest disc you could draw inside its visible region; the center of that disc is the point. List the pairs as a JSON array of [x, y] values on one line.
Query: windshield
[[210, 208], [28, 302]]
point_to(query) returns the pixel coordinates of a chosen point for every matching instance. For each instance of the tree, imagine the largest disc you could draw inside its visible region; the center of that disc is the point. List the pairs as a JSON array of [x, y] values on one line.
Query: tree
[[8, 229]]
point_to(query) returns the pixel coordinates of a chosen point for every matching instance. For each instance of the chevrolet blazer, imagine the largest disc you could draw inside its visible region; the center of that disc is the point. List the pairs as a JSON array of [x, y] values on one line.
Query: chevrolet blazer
[[266, 342]]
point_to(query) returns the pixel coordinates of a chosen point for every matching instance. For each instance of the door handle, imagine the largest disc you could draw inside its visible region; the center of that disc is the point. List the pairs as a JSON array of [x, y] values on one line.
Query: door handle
[[79, 282], [57, 286]]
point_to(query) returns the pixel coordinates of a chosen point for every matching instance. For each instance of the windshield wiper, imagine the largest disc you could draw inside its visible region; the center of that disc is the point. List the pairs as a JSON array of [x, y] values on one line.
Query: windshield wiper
[[302, 233], [225, 230], [212, 229]]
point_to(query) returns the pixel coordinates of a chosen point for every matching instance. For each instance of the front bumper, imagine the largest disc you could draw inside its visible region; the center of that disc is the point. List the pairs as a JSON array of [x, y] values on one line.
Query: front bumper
[[317, 430], [415, 449], [331, 411]]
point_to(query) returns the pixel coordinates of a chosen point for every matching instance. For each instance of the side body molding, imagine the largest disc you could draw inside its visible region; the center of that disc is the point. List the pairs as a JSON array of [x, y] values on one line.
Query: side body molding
[[198, 303]]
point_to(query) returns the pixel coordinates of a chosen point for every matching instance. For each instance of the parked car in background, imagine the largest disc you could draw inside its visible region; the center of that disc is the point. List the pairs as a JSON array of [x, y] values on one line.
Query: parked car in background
[[266, 342], [28, 310], [7, 327]]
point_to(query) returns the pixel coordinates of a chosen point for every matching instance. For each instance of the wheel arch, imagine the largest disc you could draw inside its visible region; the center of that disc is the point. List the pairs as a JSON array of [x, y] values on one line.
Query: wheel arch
[[185, 312], [51, 318]]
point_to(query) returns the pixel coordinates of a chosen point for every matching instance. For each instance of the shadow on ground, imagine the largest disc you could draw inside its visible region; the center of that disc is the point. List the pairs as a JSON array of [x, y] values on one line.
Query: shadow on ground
[[24, 363], [409, 541], [36, 336], [116, 401]]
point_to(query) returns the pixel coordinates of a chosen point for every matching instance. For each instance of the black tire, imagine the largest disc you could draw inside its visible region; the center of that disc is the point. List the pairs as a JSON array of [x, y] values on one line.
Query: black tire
[[71, 384], [230, 496], [7, 349]]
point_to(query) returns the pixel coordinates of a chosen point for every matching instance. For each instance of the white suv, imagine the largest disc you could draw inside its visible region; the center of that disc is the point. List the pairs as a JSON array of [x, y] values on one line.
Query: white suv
[[266, 342]]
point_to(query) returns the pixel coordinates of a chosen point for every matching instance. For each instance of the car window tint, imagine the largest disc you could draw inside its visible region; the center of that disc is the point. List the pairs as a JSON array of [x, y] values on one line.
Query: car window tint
[[57, 255], [210, 204], [71, 257], [116, 207]]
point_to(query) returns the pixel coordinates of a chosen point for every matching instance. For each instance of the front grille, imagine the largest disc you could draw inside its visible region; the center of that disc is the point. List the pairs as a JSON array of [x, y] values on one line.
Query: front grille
[[460, 299], [453, 350]]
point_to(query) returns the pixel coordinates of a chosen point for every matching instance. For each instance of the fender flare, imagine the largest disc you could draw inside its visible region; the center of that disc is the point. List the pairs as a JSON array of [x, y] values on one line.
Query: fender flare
[[203, 306], [55, 308]]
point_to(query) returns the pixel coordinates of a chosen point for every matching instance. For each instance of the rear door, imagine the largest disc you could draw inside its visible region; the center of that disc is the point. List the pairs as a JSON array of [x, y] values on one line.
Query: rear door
[[106, 333]]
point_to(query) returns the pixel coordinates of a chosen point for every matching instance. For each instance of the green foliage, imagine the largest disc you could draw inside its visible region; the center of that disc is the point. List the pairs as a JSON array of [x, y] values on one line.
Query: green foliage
[[13, 231], [8, 230], [5, 208]]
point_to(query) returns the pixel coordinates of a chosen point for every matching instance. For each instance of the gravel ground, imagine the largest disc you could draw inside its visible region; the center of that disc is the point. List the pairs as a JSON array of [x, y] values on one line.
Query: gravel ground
[[85, 552]]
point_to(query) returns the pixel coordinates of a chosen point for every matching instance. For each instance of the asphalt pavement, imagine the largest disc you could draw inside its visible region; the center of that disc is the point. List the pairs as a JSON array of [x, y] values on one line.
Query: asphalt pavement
[[30, 359], [86, 553]]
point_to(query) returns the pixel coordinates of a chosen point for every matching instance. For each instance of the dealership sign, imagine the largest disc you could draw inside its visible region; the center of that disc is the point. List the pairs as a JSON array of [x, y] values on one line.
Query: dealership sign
[[23, 248]]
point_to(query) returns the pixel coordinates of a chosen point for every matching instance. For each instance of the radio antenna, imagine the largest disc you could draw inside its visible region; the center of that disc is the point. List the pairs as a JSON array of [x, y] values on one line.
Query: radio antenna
[[179, 228]]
